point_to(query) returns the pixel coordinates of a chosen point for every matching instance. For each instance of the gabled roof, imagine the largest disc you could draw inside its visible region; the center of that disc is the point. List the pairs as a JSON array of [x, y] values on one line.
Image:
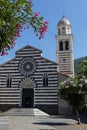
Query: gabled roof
[[6, 62], [28, 46], [32, 48]]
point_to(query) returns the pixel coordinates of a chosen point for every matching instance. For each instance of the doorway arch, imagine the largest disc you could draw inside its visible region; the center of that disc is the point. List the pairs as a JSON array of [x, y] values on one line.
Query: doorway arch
[[27, 92]]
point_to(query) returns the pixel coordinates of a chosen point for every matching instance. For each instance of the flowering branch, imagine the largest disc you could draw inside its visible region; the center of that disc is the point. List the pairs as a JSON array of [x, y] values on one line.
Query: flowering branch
[[14, 15]]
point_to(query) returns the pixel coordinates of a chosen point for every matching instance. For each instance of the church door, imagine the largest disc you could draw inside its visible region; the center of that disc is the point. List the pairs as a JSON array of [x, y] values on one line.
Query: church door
[[27, 98], [27, 93]]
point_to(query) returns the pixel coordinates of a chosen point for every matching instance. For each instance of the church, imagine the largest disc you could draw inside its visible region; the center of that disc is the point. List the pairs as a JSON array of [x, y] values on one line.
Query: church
[[31, 81]]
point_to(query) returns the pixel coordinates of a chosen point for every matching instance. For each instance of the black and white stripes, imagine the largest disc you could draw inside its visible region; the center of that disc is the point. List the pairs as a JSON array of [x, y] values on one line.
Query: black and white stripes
[[45, 78]]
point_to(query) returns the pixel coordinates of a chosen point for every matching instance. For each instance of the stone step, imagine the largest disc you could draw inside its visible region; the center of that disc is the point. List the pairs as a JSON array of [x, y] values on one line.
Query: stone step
[[24, 112]]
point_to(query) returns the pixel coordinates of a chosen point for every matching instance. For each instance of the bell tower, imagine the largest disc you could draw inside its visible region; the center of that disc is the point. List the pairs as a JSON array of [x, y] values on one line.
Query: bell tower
[[64, 47]]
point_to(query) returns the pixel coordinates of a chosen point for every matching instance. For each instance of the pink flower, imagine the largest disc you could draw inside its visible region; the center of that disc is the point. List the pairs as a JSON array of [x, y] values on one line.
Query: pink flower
[[3, 53], [46, 22], [43, 29], [29, 2], [36, 14], [18, 26]]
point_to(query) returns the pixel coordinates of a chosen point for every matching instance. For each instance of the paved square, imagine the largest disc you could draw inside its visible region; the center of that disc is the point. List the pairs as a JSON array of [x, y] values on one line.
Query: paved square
[[35, 119]]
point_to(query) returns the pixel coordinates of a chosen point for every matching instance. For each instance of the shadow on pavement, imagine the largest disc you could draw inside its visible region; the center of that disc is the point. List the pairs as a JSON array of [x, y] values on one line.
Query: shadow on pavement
[[83, 118], [45, 129], [50, 123]]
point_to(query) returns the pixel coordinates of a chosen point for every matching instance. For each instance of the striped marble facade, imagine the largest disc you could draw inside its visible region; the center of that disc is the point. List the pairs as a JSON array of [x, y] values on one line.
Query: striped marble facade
[[12, 80]]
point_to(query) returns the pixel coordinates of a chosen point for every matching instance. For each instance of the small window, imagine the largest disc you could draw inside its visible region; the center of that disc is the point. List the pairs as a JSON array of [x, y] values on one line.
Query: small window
[[64, 60], [59, 32], [45, 79], [61, 46], [9, 80]]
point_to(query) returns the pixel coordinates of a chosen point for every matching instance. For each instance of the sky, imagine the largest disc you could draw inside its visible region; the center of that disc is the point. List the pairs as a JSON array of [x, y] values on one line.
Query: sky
[[53, 10]]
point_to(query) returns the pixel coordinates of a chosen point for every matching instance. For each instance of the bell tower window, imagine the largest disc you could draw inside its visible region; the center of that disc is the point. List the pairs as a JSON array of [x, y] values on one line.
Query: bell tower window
[[61, 46], [68, 30], [63, 30], [67, 45]]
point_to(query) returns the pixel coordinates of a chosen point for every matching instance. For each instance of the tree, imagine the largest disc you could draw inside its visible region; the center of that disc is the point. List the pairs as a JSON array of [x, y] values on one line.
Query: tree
[[16, 15], [74, 91]]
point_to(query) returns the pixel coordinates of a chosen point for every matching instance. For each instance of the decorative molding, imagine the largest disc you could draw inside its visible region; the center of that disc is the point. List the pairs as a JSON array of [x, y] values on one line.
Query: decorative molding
[[27, 83]]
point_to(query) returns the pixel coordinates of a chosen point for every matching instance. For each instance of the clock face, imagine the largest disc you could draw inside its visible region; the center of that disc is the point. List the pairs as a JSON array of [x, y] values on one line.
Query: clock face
[[27, 66]]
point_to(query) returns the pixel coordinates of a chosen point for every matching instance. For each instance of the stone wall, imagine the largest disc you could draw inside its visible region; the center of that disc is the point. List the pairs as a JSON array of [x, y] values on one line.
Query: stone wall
[[63, 106]]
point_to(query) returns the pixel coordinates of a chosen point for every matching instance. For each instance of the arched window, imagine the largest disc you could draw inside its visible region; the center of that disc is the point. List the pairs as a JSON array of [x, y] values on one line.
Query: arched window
[[63, 30], [61, 46], [45, 79], [59, 31], [9, 80], [67, 45]]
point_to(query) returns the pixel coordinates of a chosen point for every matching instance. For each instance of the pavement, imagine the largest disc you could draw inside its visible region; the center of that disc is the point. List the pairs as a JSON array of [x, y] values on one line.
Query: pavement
[[24, 112], [40, 122]]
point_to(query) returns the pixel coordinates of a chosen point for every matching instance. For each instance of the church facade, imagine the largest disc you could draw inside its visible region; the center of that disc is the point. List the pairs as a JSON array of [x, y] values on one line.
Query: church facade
[[29, 80]]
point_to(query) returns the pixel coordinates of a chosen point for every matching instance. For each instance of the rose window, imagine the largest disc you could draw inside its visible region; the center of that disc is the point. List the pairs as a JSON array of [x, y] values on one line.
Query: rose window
[[27, 66]]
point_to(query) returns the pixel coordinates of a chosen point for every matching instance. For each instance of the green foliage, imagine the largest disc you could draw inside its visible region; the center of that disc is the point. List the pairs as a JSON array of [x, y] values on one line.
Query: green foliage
[[78, 65], [84, 68], [14, 15], [74, 91]]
